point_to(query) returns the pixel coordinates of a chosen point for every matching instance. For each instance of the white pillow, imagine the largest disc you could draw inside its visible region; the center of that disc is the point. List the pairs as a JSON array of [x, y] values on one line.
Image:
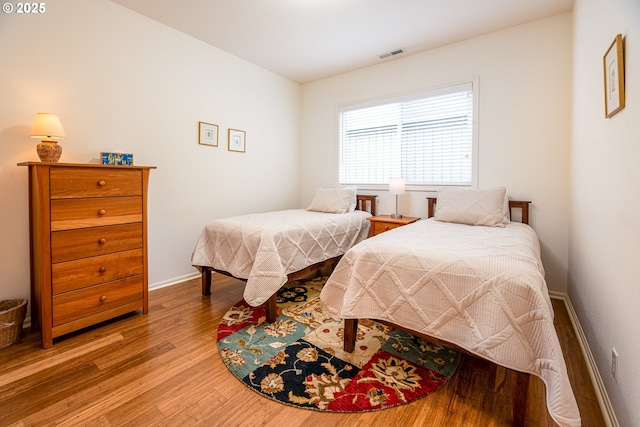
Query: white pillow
[[472, 207], [354, 200], [506, 212], [333, 200]]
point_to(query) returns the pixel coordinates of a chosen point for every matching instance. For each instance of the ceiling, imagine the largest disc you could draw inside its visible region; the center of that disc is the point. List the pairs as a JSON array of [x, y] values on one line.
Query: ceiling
[[305, 40]]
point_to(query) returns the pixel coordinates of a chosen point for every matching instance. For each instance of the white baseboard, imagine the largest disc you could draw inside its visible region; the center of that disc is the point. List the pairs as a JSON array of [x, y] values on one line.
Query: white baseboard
[[174, 281], [598, 385]]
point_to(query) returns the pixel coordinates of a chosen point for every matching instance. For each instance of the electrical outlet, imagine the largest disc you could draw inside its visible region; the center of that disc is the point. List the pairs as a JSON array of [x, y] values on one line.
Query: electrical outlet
[[614, 363]]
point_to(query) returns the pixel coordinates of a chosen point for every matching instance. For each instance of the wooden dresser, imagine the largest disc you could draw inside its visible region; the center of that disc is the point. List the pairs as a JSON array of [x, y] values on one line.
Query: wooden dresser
[[88, 231]]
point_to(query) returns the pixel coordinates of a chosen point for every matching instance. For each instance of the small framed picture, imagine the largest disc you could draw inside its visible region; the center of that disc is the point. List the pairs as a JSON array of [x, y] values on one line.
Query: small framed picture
[[207, 134], [120, 159], [237, 140], [614, 78]]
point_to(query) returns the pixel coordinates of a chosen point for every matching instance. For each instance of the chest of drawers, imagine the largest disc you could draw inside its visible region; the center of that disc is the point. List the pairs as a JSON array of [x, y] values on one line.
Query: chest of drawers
[[88, 231]]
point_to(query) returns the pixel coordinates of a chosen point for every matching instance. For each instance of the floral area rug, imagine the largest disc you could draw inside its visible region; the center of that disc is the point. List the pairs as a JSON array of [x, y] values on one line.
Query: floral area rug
[[298, 360]]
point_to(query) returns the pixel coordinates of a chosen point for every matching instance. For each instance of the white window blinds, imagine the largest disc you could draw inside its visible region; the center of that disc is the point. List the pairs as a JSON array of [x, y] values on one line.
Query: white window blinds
[[426, 138]]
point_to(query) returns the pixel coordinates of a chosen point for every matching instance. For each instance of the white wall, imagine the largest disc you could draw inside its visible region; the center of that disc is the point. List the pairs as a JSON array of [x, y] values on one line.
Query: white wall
[[604, 250], [120, 81], [524, 121]]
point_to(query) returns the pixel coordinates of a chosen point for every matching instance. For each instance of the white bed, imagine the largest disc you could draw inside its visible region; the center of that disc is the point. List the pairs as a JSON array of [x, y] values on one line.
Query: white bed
[[481, 288], [267, 249]]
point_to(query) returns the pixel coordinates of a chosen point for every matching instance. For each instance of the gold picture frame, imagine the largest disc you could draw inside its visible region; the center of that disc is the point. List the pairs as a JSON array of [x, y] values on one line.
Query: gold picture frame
[[207, 134], [237, 140], [613, 62]]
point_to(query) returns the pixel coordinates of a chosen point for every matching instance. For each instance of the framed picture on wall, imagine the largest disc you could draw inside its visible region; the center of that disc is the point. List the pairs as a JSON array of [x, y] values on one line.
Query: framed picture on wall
[[614, 78], [237, 140], [207, 134]]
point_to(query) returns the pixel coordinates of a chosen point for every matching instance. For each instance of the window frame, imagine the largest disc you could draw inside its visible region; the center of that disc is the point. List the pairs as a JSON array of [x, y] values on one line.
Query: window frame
[[372, 102]]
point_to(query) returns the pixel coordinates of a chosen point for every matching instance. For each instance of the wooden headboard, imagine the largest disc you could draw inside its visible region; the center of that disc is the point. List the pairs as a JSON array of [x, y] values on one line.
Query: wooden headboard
[[363, 202], [513, 204]]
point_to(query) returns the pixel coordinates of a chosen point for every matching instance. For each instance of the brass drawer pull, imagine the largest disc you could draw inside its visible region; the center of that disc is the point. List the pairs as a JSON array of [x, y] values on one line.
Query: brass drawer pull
[[102, 241], [102, 269], [103, 298], [102, 212], [102, 183]]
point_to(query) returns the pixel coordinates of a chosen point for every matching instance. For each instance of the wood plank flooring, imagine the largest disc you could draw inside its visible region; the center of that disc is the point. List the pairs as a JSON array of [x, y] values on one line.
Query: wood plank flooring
[[163, 369]]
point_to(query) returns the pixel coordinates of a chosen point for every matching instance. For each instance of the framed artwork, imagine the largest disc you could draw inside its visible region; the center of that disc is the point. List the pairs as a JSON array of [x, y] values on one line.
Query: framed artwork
[[120, 159], [207, 134], [614, 78], [236, 140]]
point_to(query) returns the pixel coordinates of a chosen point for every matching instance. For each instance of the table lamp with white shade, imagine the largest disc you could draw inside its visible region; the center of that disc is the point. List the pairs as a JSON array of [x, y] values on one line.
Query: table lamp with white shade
[[396, 186]]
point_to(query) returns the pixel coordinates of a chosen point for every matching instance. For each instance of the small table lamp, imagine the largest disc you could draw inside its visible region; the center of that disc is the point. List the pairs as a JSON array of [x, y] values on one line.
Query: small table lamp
[[48, 128], [396, 186]]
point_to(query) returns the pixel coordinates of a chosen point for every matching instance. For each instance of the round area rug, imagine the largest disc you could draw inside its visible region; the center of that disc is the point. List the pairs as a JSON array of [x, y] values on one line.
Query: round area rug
[[298, 360]]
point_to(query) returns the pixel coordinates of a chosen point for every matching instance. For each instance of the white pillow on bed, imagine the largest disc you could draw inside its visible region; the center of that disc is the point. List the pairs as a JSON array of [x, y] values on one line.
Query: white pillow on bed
[[506, 212], [354, 200], [333, 200], [472, 207]]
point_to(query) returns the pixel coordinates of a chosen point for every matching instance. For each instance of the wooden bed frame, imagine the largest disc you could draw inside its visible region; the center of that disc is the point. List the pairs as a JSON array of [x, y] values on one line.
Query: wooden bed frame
[[363, 203], [519, 380]]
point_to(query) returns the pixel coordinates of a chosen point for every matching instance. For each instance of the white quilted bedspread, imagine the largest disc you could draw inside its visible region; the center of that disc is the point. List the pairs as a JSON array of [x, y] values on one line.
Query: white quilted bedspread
[[265, 247], [481, 288]]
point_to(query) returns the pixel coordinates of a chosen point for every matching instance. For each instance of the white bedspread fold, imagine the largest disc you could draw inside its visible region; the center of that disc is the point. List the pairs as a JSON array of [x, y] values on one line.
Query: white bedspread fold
[[481, 288], [265, 247]]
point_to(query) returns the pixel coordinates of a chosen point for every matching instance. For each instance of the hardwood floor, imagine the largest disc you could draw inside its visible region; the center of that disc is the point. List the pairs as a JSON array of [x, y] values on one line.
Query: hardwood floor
[[163, 369]]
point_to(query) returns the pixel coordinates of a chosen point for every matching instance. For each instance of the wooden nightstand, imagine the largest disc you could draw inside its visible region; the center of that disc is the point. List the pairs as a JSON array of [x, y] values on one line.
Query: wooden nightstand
[[382, 223]]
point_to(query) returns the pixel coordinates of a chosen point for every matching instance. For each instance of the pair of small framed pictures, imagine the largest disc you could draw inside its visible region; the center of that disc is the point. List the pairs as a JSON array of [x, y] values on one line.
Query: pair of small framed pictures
[[208, 135]]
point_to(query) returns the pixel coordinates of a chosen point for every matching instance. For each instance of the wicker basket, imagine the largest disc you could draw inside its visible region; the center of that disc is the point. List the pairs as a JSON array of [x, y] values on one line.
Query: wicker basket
[[12, 313]]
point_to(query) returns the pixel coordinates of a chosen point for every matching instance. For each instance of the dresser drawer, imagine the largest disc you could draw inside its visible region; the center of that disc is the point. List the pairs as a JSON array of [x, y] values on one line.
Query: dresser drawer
[[381, 227], [71, 275], [84, 243], [71, 182], [71, 306], [69, 214]]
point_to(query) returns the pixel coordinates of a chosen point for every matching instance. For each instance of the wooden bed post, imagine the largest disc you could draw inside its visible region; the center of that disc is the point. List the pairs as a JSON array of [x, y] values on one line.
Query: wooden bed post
[[350, 331], [432, 206], [363, 201], [272, 308], [206, 280], [519, 397], [524, 206]]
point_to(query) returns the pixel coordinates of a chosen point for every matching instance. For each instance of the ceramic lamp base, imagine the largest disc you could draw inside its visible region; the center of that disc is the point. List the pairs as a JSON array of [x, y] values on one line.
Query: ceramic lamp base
[[49, 151]]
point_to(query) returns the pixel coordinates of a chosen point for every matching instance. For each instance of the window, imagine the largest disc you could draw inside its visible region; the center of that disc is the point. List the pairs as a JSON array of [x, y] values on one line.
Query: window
[[427, 138]]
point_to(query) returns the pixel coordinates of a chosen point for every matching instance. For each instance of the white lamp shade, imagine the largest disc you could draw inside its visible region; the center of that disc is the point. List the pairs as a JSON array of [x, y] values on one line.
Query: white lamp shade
[[48, 127], [396, 185]]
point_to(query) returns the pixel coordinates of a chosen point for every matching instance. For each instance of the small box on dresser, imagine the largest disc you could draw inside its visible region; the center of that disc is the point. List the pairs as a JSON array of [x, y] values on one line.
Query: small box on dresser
[[88, 232]]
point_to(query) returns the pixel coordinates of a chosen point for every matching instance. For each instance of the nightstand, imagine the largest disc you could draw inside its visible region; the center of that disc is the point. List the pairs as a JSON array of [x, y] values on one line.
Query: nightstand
[[382, 223]]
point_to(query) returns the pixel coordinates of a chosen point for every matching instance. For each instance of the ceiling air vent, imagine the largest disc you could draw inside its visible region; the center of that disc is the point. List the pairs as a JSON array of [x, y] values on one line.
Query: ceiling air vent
[[392, 53]]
